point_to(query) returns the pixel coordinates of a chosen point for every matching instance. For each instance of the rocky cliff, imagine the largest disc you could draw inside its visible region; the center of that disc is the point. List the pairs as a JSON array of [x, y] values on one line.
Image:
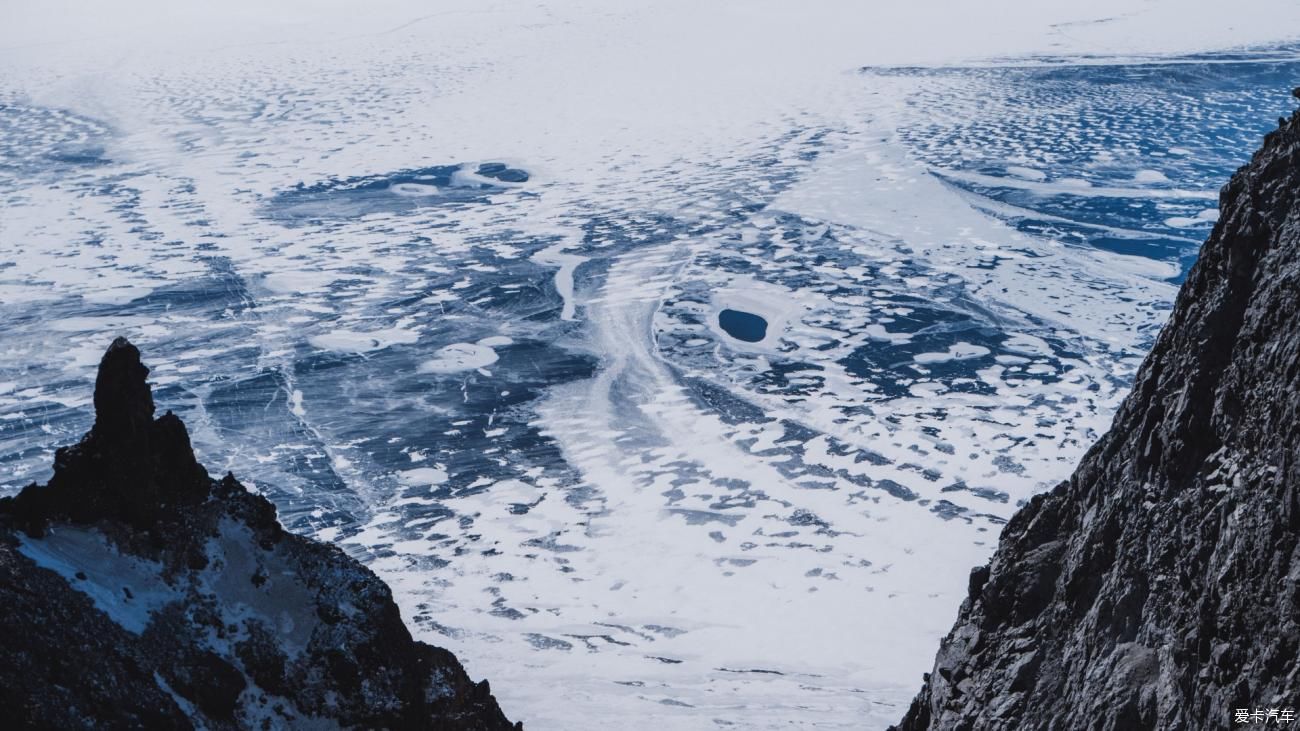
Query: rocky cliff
[[1160, 586], [138, 592]]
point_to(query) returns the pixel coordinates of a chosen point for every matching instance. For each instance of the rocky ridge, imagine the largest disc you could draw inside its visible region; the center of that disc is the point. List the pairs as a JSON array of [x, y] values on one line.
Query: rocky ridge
[[139, 592], [1159, 587]]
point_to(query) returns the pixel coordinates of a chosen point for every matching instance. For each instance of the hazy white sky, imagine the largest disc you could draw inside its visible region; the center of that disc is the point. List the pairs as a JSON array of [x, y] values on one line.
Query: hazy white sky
[[845, 31]]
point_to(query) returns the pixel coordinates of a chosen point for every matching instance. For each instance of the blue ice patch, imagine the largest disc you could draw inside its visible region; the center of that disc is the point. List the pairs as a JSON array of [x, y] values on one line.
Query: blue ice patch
[[399, 192]]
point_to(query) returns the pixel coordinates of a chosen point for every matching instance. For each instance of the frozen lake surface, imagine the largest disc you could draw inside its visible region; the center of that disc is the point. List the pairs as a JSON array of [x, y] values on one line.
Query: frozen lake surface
[[667, 395]]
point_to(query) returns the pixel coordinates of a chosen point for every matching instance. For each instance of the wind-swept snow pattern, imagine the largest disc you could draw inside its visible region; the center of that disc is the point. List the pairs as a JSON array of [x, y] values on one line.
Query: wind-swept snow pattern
[[657, 416]]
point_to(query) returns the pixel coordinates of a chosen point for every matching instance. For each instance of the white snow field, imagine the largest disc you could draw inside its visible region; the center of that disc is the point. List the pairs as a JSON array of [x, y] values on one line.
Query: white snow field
[[446, 281]]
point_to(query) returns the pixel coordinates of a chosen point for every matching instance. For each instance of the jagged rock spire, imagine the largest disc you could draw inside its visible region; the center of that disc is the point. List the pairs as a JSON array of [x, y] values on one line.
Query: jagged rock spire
[[129, 467], [123, 401], [227, 570]]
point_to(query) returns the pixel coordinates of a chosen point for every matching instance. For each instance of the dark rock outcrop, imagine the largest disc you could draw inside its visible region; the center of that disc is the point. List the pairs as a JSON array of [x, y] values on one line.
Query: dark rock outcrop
[[138, 592], [1159, 588]]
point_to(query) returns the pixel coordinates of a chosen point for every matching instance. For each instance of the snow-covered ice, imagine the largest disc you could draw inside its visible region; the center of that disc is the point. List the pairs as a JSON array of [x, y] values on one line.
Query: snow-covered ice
[[444, 281]]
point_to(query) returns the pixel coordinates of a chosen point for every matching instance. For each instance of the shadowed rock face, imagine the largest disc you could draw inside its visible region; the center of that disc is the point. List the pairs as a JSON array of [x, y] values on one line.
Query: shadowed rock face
[[140, 593], [1158, 587]]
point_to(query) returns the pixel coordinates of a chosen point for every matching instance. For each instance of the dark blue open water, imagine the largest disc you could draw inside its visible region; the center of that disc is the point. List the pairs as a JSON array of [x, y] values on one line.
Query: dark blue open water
[[743, 325]]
